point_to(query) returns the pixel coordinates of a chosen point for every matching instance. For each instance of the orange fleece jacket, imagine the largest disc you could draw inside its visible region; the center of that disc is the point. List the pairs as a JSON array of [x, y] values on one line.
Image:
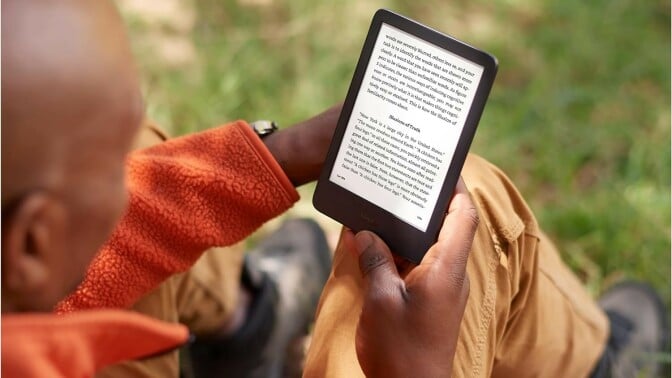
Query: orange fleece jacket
[[208, 189], [188, 194]]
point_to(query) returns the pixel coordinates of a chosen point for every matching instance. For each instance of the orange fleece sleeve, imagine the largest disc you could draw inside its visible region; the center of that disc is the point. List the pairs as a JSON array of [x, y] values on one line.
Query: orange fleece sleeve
[[81, 343], [188, 194]]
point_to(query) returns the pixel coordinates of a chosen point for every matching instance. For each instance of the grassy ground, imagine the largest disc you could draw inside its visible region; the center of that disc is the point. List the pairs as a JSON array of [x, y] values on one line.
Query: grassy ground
[[579, 116]]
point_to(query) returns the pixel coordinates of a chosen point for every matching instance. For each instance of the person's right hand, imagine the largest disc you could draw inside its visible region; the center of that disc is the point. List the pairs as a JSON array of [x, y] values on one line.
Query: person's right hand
[[409, 326]]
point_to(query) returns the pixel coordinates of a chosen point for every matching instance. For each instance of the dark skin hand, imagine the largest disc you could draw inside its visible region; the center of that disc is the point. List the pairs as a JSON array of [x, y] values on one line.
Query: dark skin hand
[[302, 148], [411, 315], [410, 321]]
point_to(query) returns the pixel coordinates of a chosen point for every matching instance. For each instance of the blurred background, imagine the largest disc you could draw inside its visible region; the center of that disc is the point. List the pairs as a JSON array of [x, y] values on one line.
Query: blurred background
[[579, 116]]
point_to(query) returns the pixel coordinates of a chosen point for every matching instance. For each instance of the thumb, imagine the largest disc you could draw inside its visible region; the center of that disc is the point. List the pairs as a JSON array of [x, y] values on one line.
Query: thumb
[[376, 263]]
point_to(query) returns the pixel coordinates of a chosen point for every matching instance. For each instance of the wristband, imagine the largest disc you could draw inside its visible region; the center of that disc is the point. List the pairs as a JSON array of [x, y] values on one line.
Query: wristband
[[264, 128]]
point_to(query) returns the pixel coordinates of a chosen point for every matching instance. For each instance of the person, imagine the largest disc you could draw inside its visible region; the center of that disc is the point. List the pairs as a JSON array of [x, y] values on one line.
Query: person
[[492, 296], [65, 156]]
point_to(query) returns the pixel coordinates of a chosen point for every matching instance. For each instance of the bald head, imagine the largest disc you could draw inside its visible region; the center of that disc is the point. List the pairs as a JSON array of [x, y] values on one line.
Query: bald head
[[66, 67], [70, 109]]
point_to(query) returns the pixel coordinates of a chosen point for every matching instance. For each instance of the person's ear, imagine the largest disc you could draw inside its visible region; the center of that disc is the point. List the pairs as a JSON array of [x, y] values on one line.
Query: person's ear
[[31, 242]]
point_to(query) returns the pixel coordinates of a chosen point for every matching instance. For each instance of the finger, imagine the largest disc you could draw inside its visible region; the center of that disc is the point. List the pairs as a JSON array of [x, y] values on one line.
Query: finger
[[346, 243], [462, 203], [451, 251], [376, 264]]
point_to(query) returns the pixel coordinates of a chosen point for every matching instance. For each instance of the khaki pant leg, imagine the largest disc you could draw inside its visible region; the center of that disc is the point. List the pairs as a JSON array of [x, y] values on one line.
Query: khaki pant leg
[[203, 298], [527, 314], [208, 295]]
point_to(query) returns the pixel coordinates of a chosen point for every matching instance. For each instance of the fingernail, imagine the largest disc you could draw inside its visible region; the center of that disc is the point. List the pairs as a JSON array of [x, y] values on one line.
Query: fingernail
[[363, 241]]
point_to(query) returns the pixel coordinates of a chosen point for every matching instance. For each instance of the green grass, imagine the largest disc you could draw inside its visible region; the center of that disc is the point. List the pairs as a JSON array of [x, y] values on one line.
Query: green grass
[[579, 116]]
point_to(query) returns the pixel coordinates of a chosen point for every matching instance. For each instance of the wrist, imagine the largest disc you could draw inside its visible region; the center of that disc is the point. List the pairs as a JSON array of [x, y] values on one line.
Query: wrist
[[278, 145], [300, 150], [292, 150]]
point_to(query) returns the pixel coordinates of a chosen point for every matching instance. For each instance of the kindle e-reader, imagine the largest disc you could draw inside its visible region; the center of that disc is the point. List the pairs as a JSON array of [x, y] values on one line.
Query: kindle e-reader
[[404, 132]]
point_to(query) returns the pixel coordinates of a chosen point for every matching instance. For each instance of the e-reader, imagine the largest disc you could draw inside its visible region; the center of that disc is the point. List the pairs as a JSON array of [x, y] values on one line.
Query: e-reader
[[407, 122]]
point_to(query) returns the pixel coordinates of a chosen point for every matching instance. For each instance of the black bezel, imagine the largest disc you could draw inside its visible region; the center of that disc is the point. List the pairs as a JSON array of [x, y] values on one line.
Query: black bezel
[[359, 214]]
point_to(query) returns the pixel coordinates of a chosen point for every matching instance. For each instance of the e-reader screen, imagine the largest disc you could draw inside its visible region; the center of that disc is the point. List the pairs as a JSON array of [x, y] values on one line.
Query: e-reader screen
[[405, 125]]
